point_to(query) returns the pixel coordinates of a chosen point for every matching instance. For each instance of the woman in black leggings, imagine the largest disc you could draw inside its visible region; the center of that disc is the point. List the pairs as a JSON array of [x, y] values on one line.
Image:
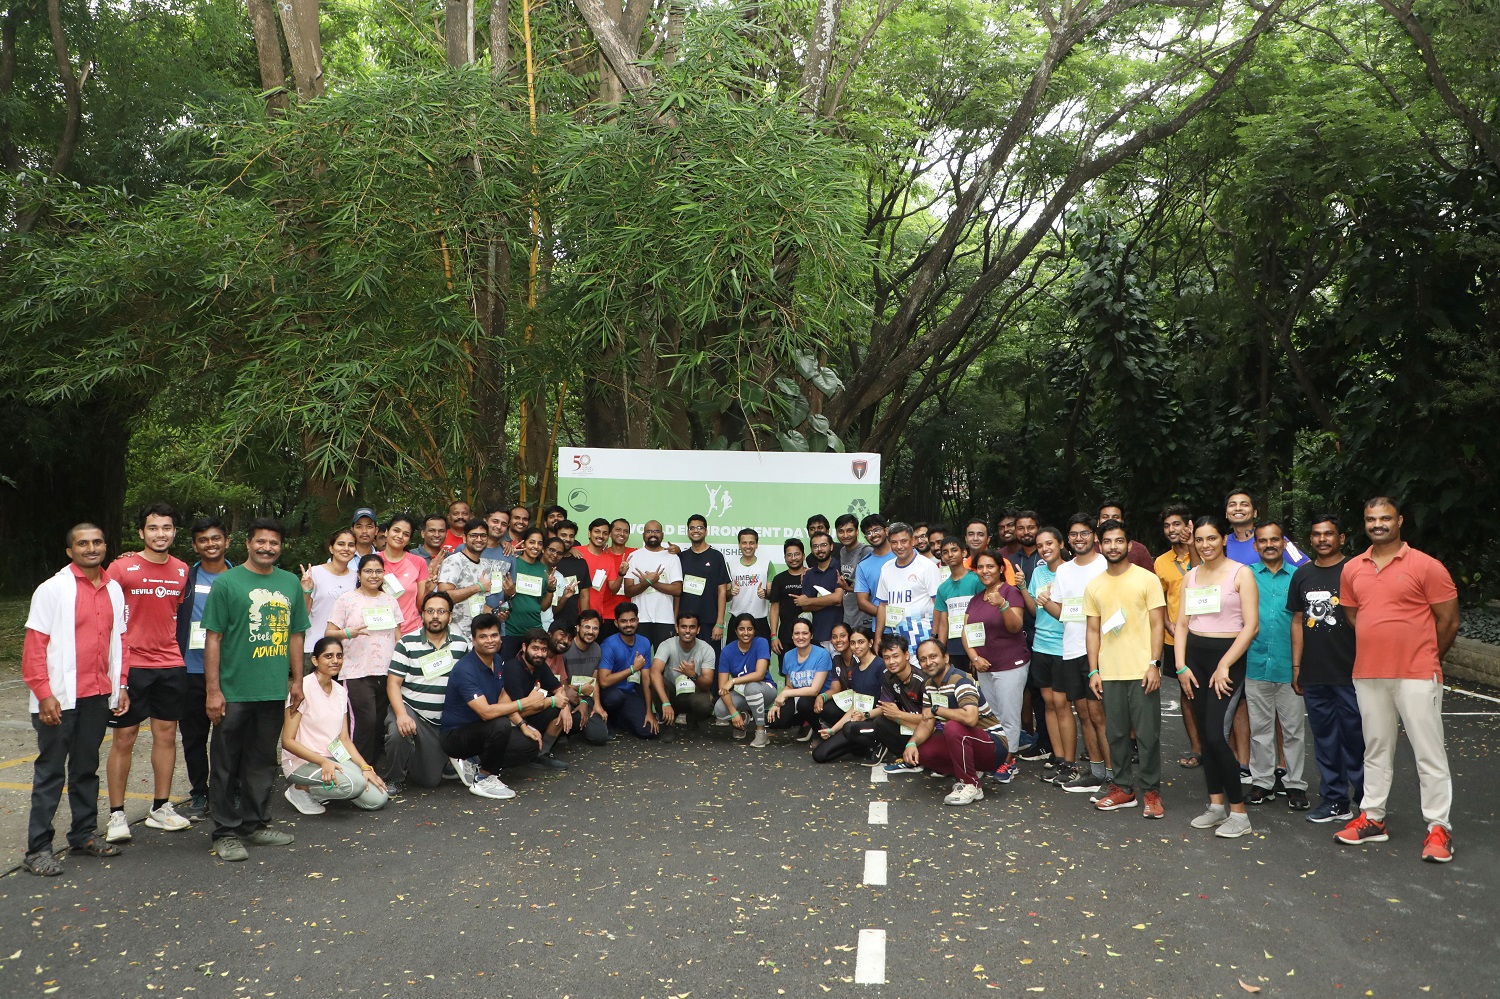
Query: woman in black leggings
[[1216, 622]]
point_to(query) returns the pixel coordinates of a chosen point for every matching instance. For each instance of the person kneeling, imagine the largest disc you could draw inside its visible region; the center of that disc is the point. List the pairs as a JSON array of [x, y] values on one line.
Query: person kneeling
[[317, 755], [557, 712], [888, 725], [480, 719], [963, 737], [743, 687], [685, 666]]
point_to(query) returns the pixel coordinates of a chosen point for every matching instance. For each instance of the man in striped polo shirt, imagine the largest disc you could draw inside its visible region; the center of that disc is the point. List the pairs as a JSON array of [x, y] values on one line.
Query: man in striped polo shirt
[[417, 685], [959, 734]]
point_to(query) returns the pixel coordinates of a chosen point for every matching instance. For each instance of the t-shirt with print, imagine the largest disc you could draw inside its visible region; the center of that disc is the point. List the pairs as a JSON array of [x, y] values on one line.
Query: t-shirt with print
[[802, 671], [1067, 590], [824, 618], [1047, 631], [152, 595], [460, 572], [671, 655], [749, 578], [495, 601], [1327, 638], [702, 575], [738, 662], [953, 599], [368, 654], [786, 587], [1123, 605], [322, 720], [655, 607], [424, 669], [409, 571], [532, 580], [1002, 648], [203, 583], [256, 614], [912, 587], [848, 565]]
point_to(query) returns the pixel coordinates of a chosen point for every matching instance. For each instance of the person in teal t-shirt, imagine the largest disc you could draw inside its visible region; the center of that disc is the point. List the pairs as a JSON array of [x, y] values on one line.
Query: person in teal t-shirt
[[254, 623], [952, 601], [529, 590]]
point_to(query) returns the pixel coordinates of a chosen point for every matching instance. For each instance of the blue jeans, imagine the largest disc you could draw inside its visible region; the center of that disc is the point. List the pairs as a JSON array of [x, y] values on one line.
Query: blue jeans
[[1338, 738]]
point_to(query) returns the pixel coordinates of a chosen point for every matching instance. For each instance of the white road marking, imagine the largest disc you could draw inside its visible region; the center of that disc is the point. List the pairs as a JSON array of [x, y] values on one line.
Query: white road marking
[[877, 774], [1470, 693], [869, 962], [878, 817], [874, 867], [1471, 714]]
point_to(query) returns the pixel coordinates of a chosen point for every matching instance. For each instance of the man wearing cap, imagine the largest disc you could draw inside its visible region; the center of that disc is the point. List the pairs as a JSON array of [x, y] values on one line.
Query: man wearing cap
[[364, 527]]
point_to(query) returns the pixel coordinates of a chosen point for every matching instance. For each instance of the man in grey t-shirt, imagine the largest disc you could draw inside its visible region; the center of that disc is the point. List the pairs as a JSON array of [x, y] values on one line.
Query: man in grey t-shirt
[[851, 552], [682, 677]]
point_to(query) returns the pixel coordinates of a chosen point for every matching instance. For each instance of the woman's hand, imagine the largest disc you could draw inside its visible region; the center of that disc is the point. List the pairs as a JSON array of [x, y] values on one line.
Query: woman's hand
[[330, 771], [1223, 686]]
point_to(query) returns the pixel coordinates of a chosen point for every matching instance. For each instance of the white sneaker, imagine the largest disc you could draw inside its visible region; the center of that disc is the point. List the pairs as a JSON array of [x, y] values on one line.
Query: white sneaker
[[118, 830], [761, 740], [490, 786], [1215, 816], [465, 770], [1237, 825], [166, 817], [721, 722], [302, 801], [965, 794]]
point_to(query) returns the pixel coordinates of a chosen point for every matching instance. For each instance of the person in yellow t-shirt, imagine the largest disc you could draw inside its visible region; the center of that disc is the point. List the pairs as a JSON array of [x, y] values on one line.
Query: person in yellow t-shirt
[[1126, 614]]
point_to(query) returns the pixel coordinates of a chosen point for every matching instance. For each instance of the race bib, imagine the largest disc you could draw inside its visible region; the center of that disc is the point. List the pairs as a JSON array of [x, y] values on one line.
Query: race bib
[[694, 585], [529, 585], [1115, 623], [474, 604], [1201, 600], [392, 585], [436, 663], [844, 699], [570, 581], [685, 684], [956, 624], [937, 699], [580, 682], [907, 730], [893, 614], [1072, 609], [497, 581], [974, 633], [379, 618], [864, 703], [197, 636], [337, 751]]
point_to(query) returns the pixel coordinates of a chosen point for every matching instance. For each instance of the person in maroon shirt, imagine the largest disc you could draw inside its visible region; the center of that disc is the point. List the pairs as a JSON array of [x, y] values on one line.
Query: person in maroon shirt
[[71, 662], [1139, 554]]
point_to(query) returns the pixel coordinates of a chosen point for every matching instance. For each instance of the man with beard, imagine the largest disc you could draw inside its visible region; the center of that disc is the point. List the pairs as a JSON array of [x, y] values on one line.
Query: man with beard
[[558, 713], [682, 675], [417, 686], [653, 582], [705, 581], [625, 657], [1064, 601], [959, 735], [851, 553], [481, 719]]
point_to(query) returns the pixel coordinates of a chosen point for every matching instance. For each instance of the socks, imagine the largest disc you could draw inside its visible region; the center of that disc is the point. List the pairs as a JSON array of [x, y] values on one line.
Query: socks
[[1109, 774], [158, 802], [113, 809], [1097, 769]]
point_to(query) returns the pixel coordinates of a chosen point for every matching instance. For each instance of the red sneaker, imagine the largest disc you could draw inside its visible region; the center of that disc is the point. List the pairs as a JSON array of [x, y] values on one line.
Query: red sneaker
[[1362, 829], [1439, 846], [1152, 808], [1117, 797]]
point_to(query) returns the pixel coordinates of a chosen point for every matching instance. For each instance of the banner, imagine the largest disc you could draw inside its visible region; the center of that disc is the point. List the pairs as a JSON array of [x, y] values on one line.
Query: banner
[[772, 491]]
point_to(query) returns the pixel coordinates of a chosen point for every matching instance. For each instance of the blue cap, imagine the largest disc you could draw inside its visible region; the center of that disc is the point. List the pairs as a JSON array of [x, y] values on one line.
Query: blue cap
[[363, 511]]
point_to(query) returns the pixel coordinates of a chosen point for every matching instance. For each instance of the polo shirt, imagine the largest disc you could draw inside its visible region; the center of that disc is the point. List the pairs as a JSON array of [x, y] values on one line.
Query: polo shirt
[[470, 678], [424, 675], [1395, 631], [1172, 572], [1270, 654]]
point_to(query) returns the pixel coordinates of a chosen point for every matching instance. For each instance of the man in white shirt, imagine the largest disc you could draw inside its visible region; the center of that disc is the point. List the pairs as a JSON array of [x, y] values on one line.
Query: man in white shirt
[[907, 588], [750, 585], [653, 582], [1064, 601]]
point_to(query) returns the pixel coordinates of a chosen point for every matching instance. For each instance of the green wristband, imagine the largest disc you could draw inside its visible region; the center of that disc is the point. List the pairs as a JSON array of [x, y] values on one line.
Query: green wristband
[[1182, 671], [1092, 675]]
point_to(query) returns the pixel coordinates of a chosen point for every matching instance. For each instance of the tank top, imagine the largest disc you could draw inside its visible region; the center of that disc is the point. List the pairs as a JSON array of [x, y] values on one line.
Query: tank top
[[1230, 617]]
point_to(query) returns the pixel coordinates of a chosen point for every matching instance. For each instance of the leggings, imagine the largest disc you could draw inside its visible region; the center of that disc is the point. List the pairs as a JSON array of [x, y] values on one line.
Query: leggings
[[1215, 714], [750, 698], [860, 737], [794, 711]]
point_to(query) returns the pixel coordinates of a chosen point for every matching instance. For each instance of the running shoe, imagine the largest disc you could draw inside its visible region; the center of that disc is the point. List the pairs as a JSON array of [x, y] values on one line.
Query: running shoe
[[490, 786], [118, 830], [1296, 799], [467, 771], [302, 801], [965, 794], [1215, 815], [1152, 808], [1033, 754], [1006, 772], [1438, 849], [1259, 795], [1116, 797], [762, 739], [1362, 829], [1330, 811], [166, 817], [901, 769], [1084, 783], [1235, 826], [805, 733]]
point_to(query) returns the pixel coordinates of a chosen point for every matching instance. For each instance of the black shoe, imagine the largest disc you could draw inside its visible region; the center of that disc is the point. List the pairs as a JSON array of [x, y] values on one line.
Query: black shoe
[[667, 735], [1296, 800], [1259, 795], [195, 810], [1032, 754], [549, 762], [1279, 787]]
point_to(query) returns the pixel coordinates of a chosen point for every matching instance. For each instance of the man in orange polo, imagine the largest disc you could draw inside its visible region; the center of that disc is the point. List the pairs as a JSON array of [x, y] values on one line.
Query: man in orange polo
[[1404, 609]]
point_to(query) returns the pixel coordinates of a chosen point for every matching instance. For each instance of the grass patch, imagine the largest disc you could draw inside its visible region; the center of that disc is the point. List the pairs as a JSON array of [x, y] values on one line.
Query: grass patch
[[12, 632]]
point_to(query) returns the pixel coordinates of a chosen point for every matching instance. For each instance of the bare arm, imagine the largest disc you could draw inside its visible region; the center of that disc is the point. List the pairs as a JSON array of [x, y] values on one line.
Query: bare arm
[[1446, 619]]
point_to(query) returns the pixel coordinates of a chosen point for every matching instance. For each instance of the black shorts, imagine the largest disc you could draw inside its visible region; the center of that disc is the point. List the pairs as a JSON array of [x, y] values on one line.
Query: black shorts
[[1043, 668], [154, 693], [1070, 678]]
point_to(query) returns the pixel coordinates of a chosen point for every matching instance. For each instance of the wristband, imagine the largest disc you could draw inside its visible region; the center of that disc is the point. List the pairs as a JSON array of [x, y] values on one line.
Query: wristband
[[348, 633], [909, 745], [733, 716], [307, 589], [367, 769], [1092, 674], [1182, 671]]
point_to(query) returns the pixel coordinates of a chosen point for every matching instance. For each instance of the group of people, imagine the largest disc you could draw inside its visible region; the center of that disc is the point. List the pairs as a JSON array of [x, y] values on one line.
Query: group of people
[[461, 646]]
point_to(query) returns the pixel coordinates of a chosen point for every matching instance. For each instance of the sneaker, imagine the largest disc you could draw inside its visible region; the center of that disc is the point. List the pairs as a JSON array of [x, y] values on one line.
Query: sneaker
[[1330, 811], [1235, 826], [1031, 754], [196, 809], [1117, 797], [1362, 829], [1438, 849], [1244, 774], [549, 762], [739, 733], [302, 801], [901, 769], [965, 794], [393, 788], [1006, 772], [490, 786], [804, 734], [681, 719], [1216, 815], [466, 771], [876, 757], [762, 738], [667, 734], [229, 848], [166, 817], [1296, 799], [118, 830], [1258, 795], [1084, 783], [720, 722], [1152, 808], [266, 836], [449, 773], [1061, 773]]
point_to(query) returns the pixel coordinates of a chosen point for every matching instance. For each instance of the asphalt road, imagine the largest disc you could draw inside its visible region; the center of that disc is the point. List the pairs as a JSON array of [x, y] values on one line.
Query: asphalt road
[[706, 868]]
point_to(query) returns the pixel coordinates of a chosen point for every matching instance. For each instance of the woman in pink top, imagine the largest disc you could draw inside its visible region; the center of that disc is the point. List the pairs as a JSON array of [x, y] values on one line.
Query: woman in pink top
[[369, 621], [317, 756], [1216, 621]]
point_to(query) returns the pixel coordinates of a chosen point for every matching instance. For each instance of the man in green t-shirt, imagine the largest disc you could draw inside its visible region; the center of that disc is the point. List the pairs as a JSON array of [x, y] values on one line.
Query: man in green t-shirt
[[254, 621], [951, 607]]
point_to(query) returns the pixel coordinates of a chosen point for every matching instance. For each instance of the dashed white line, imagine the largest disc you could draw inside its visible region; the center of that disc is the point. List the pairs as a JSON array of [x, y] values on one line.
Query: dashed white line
[[874, 867], [878, 812], [877, 774], [869, 961]]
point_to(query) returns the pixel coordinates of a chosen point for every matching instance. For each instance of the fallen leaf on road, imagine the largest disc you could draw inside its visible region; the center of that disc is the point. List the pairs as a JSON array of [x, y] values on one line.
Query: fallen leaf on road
[[1249, 988]]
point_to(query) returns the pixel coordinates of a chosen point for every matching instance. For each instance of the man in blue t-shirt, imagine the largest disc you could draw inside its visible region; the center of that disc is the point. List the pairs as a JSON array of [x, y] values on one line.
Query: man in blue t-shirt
[[1242, 514], [625, 657], [480, 719], [210, 541], [823, 590], [867, 573]]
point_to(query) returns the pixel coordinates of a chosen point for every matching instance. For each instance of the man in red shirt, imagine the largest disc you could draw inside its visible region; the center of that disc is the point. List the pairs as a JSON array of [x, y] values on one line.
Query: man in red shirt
[[604, 574], [153, 582], [459, 514], [71, 662], [1403, 607]]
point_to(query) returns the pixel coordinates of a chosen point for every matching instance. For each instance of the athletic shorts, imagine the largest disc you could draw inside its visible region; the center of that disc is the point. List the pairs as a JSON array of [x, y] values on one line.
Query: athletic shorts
[[1043, 668], [159, 693], [1070, 677]]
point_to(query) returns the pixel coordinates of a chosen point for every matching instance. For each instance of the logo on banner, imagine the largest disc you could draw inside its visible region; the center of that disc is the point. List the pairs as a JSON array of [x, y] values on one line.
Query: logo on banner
[[578, 499], [860, 467], [718, 496], [582, 464]]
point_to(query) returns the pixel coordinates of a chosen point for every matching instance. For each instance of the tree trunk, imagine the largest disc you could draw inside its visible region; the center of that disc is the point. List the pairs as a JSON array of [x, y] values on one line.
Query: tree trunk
[[10, 155], [302, 45], [820, 39], [268, 53], [618, 53], [611, 91], [500, 52], [458, 32]]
